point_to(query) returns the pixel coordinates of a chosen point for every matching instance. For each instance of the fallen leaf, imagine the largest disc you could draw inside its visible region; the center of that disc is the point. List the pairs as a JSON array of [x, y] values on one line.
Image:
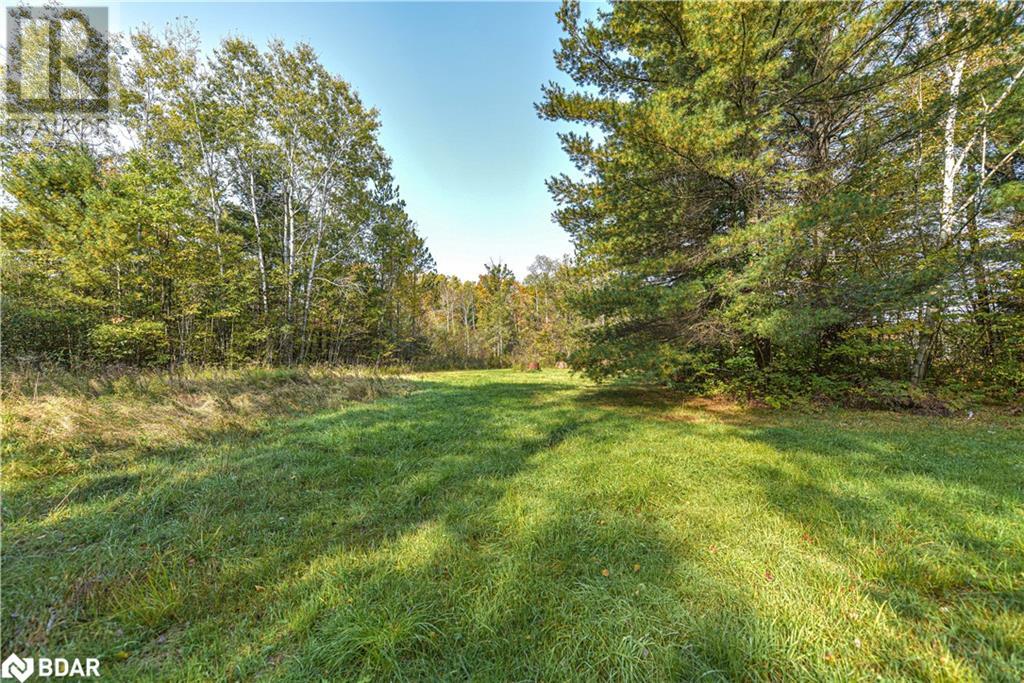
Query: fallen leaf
[[768, 576], [605, 572], [636, 567]]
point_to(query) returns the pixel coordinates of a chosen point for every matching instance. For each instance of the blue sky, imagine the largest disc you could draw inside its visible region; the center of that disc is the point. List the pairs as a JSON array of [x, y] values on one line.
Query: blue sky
[[455, 84]]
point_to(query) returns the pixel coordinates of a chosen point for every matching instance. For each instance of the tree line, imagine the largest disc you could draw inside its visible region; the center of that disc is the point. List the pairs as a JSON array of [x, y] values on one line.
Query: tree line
[[775, 198], [797, 197], [499, 320], [238, 207]]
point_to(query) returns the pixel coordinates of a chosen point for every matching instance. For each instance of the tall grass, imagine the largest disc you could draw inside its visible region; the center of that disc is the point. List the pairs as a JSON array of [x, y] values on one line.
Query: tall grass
[[504, 525], [59, 412]]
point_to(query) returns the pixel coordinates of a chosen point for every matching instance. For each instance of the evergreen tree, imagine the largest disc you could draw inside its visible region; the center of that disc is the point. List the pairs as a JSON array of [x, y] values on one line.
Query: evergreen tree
[[769, 193]]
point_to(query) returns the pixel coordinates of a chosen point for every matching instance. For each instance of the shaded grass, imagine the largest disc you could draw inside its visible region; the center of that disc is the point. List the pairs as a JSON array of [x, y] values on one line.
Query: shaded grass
[[501, 525]]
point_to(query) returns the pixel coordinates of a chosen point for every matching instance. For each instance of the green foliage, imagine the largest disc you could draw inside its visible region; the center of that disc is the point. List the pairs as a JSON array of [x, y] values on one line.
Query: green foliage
[[806, 185], [498, 321], [142, 343], [254, 218]]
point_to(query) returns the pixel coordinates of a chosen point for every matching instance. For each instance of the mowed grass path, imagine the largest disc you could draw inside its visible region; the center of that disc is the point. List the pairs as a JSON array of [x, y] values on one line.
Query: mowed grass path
[[498, 525]]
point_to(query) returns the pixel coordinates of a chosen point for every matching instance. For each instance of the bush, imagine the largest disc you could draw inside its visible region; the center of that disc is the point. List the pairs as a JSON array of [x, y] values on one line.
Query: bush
[[142, 343], [44, 335]]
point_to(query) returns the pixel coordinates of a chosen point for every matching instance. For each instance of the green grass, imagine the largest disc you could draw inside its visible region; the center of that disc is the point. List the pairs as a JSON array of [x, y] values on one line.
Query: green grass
[[502, 525]]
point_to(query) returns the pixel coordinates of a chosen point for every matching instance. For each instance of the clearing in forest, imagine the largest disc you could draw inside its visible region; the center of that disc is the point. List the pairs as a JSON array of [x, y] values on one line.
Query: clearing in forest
[[504, 525]]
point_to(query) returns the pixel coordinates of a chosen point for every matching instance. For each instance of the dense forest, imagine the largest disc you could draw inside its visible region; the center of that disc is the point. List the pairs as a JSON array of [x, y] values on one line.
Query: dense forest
[[238, 208], [798, 197], [782, 199]]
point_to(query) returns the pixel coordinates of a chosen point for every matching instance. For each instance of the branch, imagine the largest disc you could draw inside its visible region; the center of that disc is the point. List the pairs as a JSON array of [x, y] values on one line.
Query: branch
[[981, 184], [1009, 87]]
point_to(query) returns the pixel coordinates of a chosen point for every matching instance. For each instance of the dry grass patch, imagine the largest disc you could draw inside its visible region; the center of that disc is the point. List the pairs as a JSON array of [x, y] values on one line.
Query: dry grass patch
[[665, 404], [122, 409]]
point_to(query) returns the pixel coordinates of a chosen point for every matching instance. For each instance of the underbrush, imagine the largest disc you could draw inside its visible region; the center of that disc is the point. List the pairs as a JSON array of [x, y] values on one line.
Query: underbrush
[[61, 413], [780, 389], [800, 382]]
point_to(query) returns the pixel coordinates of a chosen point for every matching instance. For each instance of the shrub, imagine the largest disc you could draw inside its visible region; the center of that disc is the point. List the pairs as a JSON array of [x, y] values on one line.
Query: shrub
[[142, 343]]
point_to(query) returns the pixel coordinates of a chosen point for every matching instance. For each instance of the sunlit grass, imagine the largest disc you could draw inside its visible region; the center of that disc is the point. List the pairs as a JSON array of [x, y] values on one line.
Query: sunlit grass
[[504, 525]]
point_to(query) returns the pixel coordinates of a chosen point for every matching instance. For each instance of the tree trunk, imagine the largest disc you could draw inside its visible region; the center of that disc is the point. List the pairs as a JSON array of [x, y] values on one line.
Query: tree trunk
[[950, 168], [762, 352]]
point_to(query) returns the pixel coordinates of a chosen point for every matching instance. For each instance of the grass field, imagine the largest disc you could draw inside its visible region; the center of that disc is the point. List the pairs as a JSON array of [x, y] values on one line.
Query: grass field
[[503, 525]]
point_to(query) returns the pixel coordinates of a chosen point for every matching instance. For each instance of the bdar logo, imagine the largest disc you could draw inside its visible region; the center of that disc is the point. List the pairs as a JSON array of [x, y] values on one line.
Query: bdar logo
[[16, 667]]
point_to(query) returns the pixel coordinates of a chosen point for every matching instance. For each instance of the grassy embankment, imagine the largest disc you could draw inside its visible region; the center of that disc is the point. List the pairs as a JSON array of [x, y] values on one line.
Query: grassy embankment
[[502, 525]]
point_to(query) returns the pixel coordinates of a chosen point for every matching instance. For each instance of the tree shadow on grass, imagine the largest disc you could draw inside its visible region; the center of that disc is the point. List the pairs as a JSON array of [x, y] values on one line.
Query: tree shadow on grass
[[563, 599], [923, 513], [931, 516], [393, 539], [409, 538], [670, 405], [235, 510]]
